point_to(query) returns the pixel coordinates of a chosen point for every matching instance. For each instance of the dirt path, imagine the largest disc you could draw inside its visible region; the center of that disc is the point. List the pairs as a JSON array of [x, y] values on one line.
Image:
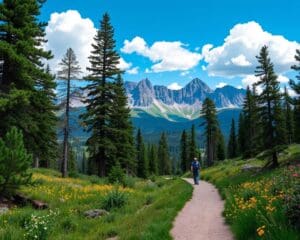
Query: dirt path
[[201, 218]]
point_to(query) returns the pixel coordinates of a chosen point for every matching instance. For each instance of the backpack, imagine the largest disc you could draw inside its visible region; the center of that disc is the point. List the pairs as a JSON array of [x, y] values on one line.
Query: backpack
[[195, 166]]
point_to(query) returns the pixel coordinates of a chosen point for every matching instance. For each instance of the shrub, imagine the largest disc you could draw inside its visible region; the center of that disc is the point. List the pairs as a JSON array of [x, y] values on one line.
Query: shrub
[[129, 182], [38, 227], [116, 174], [114, 199], [14, 163]]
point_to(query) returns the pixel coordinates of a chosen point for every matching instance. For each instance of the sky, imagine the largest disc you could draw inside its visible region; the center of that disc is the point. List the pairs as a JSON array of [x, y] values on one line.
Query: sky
[[172, 42]]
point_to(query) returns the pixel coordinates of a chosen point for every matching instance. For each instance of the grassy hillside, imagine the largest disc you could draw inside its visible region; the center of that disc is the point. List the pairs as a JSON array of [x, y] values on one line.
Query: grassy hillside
[[148, 211], [264, 204]]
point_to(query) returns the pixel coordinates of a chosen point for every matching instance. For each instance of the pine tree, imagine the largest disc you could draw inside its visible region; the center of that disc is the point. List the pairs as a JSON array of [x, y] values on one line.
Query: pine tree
[[296, 87], [232, 143], [252, 129], [104, 60], [122, 129], [165, 166], [289, 117], [211, 130], [14, 163], [142, 165], [153, 161], [241, 134], [69, 70], [273, 132], [27, 88], [192, 144], [184, 153], [221, 154]]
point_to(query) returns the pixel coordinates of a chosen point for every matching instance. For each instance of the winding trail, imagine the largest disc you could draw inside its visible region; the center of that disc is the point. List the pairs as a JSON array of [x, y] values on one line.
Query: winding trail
[[201, 218]]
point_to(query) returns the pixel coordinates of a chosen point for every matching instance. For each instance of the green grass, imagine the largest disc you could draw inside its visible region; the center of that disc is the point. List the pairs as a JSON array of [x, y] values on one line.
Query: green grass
[[260, 205], [148, 213]]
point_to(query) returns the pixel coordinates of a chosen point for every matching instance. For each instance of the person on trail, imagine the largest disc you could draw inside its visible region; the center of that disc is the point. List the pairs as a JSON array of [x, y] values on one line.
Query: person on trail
[[195, 167]]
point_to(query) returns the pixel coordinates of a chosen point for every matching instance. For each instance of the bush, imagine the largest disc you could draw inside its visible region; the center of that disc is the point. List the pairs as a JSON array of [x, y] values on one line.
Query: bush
[[38, 227], [116, 174], [114, 199], [129, 182], [14, 163]]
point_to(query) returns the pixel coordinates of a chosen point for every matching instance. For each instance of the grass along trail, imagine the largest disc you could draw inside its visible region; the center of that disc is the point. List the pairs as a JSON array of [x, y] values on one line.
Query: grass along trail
[[201, 218]]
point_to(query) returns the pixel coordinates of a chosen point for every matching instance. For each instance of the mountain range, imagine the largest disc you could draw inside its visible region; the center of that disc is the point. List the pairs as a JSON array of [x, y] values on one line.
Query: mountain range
[[186, 103]]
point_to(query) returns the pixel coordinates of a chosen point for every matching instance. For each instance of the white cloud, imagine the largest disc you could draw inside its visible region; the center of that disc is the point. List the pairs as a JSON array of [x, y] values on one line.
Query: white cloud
[[134, 70], [249, 80], [184, 73], [221, 84], [69, 30], [166, 56], [174, 86], [240, 60], [123, 65], [239, 87], [283, 79], [236, 57]]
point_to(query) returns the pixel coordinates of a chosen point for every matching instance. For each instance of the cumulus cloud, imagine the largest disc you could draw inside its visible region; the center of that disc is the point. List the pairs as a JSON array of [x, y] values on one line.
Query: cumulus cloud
[[134, 70], [221, 84], [174, 86], [166, 56], [236, 57], [69, 30], [123, 65], [282, 79]]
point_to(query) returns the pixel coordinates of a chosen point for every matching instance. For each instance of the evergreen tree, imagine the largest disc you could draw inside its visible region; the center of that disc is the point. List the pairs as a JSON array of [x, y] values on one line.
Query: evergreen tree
[[221, 154], [251, 131], [273, 129], [142, 165], [27, 88], [232, 143], [295, 85], [153, 161], [184, 153], [69, 70], [211, 130], [122, 129], [241, 134], [192, 144], [165, 165], [289, 117], [104, 60], [14, 163]]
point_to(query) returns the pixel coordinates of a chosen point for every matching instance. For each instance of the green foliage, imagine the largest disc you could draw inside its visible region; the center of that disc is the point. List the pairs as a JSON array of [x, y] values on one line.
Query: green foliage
[[142, 163], [192, 144], [27, 88], [104, 61], [295, 85], [211, 130], [123, 130], [263, 205], [114, 199], [14, 163], [38, 227], [184, 154], [221, 154], [116, 174], [270, 111], [153, 160], [163, 156], [232, 147]]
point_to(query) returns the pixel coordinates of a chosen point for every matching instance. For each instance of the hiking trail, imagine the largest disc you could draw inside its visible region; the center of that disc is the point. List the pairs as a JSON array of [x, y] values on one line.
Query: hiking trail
[[201, 217]]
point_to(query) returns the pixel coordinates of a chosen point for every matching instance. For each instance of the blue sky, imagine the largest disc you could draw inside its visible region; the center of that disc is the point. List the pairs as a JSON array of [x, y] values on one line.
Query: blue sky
[[174, 41]]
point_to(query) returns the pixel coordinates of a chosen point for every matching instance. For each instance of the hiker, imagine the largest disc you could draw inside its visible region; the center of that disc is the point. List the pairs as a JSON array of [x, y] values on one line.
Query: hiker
[[195, 167]]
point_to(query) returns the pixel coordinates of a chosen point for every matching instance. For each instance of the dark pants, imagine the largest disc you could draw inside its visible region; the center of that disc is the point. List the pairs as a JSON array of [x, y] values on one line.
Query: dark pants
[[196, 177]]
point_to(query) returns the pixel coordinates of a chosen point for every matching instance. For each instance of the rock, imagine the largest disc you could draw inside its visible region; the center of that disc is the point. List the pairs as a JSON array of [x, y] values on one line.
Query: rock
[[95, 213], [38, 204], [3, 210], [250, 168], [19, 199], [112, 238]]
